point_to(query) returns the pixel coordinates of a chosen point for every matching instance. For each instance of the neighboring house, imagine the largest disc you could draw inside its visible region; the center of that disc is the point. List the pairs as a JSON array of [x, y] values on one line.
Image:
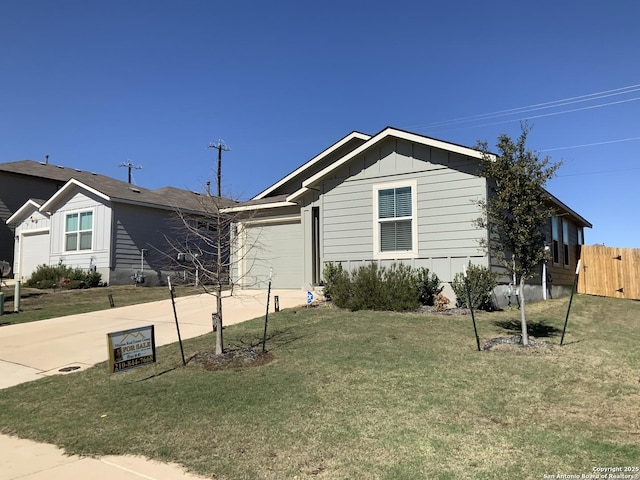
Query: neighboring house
[[96, 222], [20, 181], [392, 197]]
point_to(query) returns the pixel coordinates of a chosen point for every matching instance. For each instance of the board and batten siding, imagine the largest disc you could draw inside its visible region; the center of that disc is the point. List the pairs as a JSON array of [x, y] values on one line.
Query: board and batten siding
[[447, 191], [81, 201]]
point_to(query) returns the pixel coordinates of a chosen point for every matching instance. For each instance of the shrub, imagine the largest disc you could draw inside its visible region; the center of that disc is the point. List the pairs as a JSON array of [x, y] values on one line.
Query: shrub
[[330, 274], [399, 288], [62, 276], [366, 288], [93, 279], [371, 287], [428, 286], [482, 281]]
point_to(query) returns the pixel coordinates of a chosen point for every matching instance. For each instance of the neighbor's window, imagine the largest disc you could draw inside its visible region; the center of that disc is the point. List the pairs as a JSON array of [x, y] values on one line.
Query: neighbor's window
[[78, 231], [565, 241], [555, 239], [580, 236], [395, 218]]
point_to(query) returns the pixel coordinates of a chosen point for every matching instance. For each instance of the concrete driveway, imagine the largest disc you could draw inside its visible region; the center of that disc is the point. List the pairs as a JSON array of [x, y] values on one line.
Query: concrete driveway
[[30, 351]]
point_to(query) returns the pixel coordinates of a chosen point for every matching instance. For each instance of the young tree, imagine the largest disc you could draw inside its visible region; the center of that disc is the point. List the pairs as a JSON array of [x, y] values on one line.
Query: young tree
[[208, 244], [517, 209]]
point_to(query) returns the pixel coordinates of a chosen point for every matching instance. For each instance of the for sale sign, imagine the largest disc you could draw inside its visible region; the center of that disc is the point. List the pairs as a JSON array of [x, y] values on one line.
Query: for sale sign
[[131, 348]]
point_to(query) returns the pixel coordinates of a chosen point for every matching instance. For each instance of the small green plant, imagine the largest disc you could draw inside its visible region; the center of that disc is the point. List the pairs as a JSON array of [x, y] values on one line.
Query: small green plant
[[330, 274], [62, 276], [428, 286], [482, 281]]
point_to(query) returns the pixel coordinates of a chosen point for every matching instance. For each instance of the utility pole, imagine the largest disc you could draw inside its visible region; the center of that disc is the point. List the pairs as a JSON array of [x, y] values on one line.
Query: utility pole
[[221, 147], [129, 166]]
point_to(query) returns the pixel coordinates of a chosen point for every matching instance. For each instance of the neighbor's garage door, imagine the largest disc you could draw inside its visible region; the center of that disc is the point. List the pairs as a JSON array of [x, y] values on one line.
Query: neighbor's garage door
[[277, 246], [34, 251]]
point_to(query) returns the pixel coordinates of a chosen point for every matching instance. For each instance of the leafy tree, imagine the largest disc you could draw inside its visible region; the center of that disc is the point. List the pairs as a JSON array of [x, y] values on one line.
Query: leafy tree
[[517, 209]]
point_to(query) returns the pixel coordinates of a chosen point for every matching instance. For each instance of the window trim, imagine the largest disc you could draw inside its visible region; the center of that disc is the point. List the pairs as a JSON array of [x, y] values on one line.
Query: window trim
[[377, 253], [555, 241], [78, 231], [566, 253]]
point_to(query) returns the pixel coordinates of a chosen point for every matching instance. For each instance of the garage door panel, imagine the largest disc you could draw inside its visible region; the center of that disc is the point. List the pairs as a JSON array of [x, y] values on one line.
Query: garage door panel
[[34, 251], [278, 247]]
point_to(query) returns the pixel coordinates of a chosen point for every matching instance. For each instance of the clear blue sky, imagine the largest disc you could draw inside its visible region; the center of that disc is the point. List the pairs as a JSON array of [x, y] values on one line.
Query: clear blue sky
[[94, 84]]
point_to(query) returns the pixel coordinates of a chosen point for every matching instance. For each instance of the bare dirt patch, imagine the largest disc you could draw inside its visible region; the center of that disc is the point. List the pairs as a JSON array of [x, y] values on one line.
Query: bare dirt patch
[[232, 359], [514, 341]]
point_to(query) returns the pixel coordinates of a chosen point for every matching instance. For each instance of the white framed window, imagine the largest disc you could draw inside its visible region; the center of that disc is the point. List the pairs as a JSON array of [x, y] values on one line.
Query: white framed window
[[395, 229], [78, 231], [580, 236]]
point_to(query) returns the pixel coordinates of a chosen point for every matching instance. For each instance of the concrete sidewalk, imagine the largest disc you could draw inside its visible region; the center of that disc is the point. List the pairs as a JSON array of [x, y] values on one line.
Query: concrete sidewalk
[[30, 351]]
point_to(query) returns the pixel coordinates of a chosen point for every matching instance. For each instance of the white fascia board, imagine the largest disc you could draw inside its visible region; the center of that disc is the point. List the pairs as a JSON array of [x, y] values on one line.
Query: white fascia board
[[70, 185], [392, 132], [29, 206], [312, 162], [262, 206], [297, 194]]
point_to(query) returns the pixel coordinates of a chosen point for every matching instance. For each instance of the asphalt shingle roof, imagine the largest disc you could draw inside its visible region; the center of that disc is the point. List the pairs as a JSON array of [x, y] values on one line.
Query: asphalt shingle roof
[[166, 197]]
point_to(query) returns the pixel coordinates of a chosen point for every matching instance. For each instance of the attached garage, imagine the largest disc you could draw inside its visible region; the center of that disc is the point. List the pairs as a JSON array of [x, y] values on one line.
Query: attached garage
[[33, 251], [272, 245]]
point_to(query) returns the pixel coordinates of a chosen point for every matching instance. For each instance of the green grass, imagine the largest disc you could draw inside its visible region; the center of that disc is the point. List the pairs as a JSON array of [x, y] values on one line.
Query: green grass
[[366, 395], [38, 304]]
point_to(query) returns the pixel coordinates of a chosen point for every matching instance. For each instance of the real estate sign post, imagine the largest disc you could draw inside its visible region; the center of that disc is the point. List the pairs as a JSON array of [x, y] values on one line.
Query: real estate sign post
[[131, 348]]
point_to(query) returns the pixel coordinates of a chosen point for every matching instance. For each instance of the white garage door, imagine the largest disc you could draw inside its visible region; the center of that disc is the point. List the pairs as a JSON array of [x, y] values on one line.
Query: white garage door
[[34, 251], [277, 247]]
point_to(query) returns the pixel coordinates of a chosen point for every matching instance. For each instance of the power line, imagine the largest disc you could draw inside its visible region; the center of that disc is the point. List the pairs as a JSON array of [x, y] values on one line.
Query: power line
[[590, 144], [534, 107], [600, 172], [543, 115]]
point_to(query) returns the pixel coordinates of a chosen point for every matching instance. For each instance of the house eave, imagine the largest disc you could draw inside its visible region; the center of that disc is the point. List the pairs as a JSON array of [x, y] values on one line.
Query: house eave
[[70, 185], [262, 206], [384, 134], [313, 161], [20, 214]]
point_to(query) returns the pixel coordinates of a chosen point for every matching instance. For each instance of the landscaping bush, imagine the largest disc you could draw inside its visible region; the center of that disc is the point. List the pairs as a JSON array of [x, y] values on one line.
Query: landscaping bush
[[370, 287], [63, 276], [428, 286], [482, 281], [330, 274]]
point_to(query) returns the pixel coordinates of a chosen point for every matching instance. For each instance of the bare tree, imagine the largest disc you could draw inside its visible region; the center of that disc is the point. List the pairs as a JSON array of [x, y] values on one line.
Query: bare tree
[[209, 242]]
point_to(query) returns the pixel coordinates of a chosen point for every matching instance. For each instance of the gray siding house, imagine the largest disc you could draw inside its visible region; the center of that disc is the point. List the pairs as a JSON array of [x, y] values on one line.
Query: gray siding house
[[392, 197], [20, 181], [99, 223]]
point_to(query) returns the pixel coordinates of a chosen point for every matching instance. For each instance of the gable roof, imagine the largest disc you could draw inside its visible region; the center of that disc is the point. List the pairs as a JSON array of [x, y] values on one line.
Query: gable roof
[[166, 198], [314, 161], [264, 201], [381, 136], [30, 206]]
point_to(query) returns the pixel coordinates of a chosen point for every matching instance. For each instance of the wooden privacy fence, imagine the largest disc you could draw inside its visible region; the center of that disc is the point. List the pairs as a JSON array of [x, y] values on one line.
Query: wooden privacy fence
[[610, 272]]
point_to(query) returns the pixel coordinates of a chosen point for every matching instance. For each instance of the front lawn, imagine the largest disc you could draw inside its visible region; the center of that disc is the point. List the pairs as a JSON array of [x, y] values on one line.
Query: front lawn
[[38, 304], [366, 395]]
